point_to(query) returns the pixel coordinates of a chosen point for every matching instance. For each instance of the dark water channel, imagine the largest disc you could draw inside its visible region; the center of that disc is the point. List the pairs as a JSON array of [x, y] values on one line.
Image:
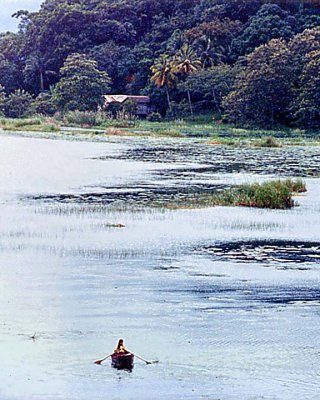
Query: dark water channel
[[227, 299]]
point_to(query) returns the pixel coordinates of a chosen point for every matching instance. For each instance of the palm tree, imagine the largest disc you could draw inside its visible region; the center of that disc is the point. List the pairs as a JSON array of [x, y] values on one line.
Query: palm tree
[[186, 62], [35, 66], [164, 74], [210, 55]]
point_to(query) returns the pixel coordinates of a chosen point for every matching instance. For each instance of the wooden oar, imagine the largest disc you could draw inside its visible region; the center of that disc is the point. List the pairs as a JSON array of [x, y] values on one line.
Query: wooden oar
[[102, 359], [146, 361]]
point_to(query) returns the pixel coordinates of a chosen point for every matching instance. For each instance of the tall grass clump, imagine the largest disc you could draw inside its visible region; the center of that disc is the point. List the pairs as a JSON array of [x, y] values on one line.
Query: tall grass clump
[[79, 118], [14, 123], [274, 194], [268, 142], [296, 186], [82, 118]]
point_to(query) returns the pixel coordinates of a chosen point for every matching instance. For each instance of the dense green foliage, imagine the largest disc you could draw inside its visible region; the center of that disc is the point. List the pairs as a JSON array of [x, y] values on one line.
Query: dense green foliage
[[262, 90], [81, 86], [250, 61], [17, 104], [308, 100]]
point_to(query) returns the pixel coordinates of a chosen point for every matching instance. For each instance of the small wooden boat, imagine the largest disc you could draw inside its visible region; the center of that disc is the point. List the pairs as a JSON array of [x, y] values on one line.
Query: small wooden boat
[[122, 361]]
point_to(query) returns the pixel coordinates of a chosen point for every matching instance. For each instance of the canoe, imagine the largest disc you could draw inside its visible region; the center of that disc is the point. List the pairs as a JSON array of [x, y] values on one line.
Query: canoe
[[122, 361]]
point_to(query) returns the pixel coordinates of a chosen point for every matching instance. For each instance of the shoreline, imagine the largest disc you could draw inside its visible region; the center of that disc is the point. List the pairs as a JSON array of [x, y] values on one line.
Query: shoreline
[[104, 135]]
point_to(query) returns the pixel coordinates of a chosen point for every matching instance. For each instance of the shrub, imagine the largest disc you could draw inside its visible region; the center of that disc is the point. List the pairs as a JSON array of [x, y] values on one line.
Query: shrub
[[178, 110], [27, 122], [83, 118], [154, 117], [18, 104], [130, 108], [268, 142], [43, 104]]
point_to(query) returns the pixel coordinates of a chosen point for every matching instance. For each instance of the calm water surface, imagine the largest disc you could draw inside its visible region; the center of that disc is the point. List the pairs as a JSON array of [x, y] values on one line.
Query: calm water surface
[[227, 299]]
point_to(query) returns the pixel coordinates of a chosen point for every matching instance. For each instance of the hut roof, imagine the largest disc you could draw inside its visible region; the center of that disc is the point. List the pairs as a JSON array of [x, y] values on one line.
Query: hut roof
[[121, 98]]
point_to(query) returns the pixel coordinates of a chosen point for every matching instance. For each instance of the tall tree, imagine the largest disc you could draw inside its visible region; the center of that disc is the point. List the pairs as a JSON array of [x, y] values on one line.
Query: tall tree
[[213, 39], [270, 22], [307, 105], [300, 46], [187, 62], [164, 75], [263, 89], [11, 62], [82, 84], [209, 86]]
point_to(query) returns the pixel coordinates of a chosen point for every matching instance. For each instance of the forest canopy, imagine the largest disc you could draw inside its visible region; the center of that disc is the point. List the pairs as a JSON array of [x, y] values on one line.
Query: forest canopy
[[253, 62]]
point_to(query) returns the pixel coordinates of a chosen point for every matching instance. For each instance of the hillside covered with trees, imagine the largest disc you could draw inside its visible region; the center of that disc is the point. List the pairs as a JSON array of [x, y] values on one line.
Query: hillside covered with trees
[[252, 62]]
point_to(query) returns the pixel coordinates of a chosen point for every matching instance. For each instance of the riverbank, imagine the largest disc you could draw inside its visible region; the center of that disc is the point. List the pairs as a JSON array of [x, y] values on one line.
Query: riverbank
[[202, 127]]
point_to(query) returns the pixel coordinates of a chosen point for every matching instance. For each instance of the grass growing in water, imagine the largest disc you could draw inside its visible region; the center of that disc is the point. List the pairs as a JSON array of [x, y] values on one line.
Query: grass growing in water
[[273, 195], [268, 142], [29, 125]]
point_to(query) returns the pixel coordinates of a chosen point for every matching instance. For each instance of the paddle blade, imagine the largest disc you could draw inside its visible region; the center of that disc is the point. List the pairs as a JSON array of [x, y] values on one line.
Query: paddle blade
[[98, 362]]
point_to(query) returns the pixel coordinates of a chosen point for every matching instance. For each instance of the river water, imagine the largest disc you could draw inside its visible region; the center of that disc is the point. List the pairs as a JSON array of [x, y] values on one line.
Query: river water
[[227, 299]]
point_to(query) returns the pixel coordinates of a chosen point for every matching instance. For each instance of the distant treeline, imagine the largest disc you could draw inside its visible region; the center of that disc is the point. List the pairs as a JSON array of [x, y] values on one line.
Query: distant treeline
[[251, 62]]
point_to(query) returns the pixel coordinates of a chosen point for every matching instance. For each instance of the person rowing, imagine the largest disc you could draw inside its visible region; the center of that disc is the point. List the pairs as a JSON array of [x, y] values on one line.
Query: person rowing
[[119, 350]]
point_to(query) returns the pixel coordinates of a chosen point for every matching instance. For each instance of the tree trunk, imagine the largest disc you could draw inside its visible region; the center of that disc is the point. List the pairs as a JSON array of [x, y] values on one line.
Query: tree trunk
[[168, 99], [216, 101], [41, 81], [190, 104]]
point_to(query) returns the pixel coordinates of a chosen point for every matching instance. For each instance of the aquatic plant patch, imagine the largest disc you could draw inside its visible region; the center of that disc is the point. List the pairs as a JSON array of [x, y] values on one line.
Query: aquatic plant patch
[[286, 161], [273, 195], [139, 195], [277, 251], [268, 142]]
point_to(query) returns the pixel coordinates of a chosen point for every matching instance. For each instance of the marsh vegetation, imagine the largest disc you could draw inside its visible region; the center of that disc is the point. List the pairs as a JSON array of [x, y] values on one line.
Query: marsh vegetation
[[201, 127], [276, 194]]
